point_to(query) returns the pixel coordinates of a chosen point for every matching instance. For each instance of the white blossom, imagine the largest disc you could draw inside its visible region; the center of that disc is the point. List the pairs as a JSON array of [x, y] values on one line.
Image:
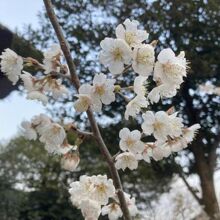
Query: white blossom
[[157, 124], [130, 33], [41, 122], [103, 189], [140, 84], [103, 90], [84, 98], [70, 161], [161, 150], [139, 101], [130, 141], [161, 91], [56, 88], [126, 160], [53, 137], [80, 190], [11, 65], [176, 125], [28, 81], [52, 58], [90, 209], [90, 193], [143, 59], [135, 106], [169, 68], [115, 53], [28, 131], [131, 204], [113, 211], [189, 133]]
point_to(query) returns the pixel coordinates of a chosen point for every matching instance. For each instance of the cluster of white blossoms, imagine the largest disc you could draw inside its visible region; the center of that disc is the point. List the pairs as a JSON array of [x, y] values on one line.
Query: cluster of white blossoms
[[169, 133], [96, 195], [37, 88], [53, 136], [129, 50]]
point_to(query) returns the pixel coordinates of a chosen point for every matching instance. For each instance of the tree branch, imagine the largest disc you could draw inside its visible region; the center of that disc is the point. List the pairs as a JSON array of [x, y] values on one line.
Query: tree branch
[[94, 126], [199, 200]]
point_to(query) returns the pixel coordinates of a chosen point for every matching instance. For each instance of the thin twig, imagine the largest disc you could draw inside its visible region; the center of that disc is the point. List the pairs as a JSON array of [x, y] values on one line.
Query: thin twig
[[93, 123], [199, 200]]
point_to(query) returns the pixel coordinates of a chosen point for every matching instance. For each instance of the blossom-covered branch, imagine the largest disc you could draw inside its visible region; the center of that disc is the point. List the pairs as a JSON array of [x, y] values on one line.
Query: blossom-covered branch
[[128, 51]]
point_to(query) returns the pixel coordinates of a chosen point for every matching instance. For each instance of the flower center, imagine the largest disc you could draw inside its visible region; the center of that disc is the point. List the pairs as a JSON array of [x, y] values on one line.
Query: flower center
[[130, 142], [55, 129], [117, 54], [100, 90], [158, 125], [143, 58], [130, 37], [101, 188], [173, 70], [85, 101]]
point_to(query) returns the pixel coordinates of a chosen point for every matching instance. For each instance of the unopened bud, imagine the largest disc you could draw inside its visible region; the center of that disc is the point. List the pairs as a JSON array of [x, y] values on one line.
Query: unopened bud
[[117, 88]]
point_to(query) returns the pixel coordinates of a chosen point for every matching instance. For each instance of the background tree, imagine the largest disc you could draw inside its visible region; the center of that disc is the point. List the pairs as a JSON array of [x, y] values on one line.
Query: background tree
[[34, 186]]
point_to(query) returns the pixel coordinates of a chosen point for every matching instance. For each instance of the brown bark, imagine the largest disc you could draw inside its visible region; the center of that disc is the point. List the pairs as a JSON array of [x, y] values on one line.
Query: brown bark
[[204, 165], [205, 172]]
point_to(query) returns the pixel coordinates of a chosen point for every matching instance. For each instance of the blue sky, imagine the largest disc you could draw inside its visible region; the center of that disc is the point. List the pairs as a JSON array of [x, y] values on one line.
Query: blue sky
[[15, 108]]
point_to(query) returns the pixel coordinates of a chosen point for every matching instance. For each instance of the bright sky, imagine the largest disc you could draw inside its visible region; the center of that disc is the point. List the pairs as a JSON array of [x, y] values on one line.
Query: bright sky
[[15, 108]]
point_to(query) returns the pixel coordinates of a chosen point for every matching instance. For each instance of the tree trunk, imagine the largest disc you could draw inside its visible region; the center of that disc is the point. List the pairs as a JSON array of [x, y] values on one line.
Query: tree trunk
[[204, 165], [205, 172]]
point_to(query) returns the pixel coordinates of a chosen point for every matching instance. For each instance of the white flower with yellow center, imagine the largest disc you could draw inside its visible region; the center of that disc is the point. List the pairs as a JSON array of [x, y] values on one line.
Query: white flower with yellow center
[[53, 137], [130, 33], [113, 211], [84, 98], [126, 160], [103, 90], [176, 125], [170, 68], [157, 124], [115, 54], [103, 189], [80, 190], [11, 64], [143, 59], [130, 141]]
